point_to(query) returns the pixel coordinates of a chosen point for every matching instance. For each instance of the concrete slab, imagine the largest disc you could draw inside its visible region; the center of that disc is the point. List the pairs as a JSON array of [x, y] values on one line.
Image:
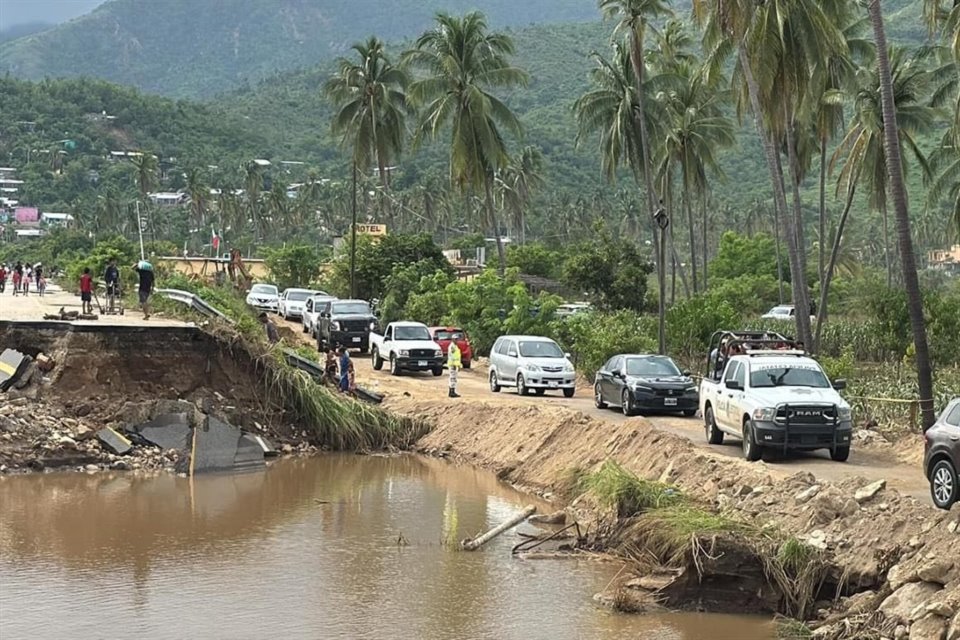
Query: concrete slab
[[167, 431], [114, 441], [219, 446], [12, 366]]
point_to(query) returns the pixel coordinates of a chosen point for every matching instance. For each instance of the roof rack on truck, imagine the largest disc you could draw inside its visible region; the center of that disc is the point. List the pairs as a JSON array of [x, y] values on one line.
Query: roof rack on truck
[[725, 343]]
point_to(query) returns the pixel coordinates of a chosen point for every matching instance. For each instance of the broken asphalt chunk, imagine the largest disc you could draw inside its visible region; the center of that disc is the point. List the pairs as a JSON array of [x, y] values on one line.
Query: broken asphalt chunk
[[114, 441]]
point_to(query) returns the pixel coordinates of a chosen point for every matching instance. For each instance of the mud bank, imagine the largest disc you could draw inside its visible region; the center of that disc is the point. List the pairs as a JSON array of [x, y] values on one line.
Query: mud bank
[[118, 377], [891, 565]]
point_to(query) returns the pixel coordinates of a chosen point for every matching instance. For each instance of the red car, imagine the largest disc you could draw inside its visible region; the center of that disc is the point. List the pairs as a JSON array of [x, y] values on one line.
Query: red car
[[443, 336]]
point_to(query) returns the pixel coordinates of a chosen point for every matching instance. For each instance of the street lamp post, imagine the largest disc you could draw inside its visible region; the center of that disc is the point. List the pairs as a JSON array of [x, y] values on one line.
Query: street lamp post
[[662, 221]]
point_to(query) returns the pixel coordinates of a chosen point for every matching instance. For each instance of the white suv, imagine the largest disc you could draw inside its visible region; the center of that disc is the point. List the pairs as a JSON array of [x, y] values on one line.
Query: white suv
[[531, 363]]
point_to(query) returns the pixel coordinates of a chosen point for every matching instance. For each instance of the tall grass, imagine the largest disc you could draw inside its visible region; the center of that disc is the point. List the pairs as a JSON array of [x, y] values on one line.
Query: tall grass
[[618, 489]]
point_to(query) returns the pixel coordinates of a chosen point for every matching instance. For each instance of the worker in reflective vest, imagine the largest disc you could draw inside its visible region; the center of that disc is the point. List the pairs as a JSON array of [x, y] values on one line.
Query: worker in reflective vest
[[453, 365]]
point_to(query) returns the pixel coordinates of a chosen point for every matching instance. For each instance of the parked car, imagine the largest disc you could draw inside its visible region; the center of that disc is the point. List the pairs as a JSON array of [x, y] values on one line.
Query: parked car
[[785, 312], [265, 297], [773, 399], [941, 460], [292, 301], [637, 383], [347, 323], [531, 363], [573, 308], [407, 346], [445, 335], [311, 312]]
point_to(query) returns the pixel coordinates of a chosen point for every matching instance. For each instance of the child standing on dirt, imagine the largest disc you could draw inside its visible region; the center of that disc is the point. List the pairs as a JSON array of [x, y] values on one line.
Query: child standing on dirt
[[330, 367], [86, 291]]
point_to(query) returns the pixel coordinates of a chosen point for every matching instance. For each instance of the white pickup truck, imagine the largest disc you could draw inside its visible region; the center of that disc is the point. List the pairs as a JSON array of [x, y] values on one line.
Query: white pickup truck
[[778, 400], [407, 346]]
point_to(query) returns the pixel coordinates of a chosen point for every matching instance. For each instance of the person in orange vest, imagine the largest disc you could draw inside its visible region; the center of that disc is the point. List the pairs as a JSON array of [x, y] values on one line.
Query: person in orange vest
[[453, 365]]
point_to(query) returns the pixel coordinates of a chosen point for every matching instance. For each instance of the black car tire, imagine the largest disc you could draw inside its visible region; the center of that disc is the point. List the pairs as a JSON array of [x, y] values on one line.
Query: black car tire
[[751, 450], [944, 487], [521, 386], [437, 372], [394, 365], [539, 392], [377, 360], [714, 435], [626, 404], [598, 397], [364, 350], [690, 412], [303, 328], [494, 383], [840, 453], [466, 364], [568, 393]]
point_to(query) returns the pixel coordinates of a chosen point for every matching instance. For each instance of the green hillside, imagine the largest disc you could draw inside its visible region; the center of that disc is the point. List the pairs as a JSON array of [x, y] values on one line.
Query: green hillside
[[185, 48]]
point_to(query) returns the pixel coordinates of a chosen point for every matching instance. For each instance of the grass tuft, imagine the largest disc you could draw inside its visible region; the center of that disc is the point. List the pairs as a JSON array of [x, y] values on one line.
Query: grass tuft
[[618, 489], [790, 629]]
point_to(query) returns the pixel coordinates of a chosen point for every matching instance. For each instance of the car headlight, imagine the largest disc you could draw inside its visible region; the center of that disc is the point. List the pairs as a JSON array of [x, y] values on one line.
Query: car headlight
[[845, 413], [644, 388], [335, 325], [691, 389], [373, 325], [765, 414], [532, 367], [404, 352], [438, 353], [568, 368]]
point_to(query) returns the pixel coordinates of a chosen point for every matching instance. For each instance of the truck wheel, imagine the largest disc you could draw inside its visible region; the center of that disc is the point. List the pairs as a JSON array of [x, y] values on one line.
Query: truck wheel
[[751, 450], [437, 372], [521, 386], [943, 484], [626, 403], [598, 398], [394, 365], [714, 435], [303, 328], [568, 393], [377, 360], [466, 364], [840, 454], [689, 413], [494, 383]]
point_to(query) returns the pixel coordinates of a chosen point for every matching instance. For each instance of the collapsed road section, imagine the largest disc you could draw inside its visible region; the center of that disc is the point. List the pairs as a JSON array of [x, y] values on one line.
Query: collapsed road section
[[128, 397]]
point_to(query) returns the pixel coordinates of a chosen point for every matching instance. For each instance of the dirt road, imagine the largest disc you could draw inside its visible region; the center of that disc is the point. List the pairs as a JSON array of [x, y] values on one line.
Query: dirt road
[[33, 307], [871, 463]]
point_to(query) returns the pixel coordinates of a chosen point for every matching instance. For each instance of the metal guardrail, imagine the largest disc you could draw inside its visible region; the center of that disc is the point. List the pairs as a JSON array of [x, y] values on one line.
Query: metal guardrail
[[195, 302]]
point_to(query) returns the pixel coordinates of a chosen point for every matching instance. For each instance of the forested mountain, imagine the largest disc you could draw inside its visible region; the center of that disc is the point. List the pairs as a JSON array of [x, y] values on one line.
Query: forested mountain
[[186, 48]]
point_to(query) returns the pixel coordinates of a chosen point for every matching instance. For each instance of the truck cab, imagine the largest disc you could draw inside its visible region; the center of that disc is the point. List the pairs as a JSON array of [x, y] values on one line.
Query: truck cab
[[407, 346], [773, 396]]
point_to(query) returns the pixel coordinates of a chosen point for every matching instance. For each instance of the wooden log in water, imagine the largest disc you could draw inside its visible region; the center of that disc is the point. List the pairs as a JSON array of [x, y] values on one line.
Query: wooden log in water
[[476, 543]]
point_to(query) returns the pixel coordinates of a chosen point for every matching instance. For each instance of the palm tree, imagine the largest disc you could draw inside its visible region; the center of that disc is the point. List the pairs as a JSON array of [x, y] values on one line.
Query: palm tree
[[696, 128], [199, 192], [898, 192], [145, 174], [253, 186], [518, 181], [464, 63]]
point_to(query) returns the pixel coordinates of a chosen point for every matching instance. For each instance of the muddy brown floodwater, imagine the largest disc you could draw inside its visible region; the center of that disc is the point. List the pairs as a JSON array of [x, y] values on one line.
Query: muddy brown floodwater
[[306, 549]]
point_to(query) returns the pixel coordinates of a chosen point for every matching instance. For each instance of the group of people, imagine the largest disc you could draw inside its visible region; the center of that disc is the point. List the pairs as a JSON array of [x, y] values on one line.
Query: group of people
[[729, 347], [111, 278], [21, 276]]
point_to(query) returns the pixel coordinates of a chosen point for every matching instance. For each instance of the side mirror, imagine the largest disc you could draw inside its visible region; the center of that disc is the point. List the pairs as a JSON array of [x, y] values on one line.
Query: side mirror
[[686, 374], [840, 384], [567, 355], [618, 374], [734, 385], [512, 354]]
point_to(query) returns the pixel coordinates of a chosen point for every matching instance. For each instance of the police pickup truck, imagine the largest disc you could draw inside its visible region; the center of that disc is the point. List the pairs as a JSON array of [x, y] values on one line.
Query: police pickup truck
[[769, 393]]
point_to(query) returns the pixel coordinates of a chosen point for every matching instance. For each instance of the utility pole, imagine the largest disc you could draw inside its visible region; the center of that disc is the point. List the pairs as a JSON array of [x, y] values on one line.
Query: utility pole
[[353, 238], [662, 221], [140, 231]]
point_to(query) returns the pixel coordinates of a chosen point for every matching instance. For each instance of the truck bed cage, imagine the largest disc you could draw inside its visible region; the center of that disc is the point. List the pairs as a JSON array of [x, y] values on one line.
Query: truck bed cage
[[748, 343]]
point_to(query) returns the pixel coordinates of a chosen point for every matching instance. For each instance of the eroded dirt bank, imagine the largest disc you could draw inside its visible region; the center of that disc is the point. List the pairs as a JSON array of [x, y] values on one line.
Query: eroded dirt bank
[[119, 377], [891, 563]]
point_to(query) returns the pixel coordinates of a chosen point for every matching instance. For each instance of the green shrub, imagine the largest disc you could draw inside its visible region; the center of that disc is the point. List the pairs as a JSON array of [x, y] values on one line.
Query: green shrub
[[593, 338]]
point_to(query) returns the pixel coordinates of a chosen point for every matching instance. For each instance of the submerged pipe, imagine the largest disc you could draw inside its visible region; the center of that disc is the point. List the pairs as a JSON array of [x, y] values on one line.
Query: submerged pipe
[[476, 543]]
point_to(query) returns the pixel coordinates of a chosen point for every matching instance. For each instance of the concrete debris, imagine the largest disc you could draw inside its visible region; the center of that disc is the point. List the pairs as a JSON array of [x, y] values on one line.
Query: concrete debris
[[167, 431], [44, 362], [808, 493], [904, 600], [114, 441], [13, 364], [869, 491]]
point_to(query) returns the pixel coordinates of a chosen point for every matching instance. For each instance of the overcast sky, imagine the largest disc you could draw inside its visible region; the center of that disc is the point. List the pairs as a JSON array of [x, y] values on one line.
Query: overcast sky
[[13, 12]]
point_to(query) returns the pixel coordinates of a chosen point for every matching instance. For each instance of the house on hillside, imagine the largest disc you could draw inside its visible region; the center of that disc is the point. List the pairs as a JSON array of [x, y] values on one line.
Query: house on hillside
[[64, 220], [168, 198], [8, 173], [946, 260]]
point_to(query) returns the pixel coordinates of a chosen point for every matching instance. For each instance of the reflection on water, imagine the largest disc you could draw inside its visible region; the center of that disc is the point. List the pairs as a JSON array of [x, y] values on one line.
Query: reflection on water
[[306, 549]]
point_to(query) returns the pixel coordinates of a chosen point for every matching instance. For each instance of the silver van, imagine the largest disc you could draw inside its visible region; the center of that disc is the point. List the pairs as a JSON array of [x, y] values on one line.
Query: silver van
[[531, 363]]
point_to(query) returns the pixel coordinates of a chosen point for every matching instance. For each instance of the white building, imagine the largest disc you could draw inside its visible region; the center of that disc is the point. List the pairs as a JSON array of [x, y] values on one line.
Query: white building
[[57, 219], [168, 198]]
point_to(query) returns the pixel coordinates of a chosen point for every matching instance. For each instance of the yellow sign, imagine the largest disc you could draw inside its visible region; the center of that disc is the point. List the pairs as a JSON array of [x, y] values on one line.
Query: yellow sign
[[372, 229]]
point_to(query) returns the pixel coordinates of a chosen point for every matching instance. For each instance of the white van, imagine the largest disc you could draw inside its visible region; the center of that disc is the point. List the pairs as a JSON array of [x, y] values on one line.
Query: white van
[[531, 363]]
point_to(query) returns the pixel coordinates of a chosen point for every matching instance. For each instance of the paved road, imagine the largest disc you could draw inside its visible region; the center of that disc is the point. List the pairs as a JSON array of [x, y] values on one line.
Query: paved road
[[871, 464], [33, 307]]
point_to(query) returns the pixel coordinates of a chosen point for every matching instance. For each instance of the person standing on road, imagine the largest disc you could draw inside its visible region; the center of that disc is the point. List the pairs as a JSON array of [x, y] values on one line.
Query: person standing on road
[[3, 277], [111, 277], [86, 291], [453, 365], [25, 280], [17, 275], [344, 370], [145, 270], [272, 334]]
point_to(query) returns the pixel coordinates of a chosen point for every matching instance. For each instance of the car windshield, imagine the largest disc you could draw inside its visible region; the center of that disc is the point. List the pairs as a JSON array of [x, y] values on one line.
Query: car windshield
[[780, 311], [783, 376], [652, 366], [266, 289], [456, 334], [299, 296], [352, 308], [411, 333], [540, 349]]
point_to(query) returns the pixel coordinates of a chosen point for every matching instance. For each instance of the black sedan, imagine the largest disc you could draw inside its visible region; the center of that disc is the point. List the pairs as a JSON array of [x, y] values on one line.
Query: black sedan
[[645, 383]]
